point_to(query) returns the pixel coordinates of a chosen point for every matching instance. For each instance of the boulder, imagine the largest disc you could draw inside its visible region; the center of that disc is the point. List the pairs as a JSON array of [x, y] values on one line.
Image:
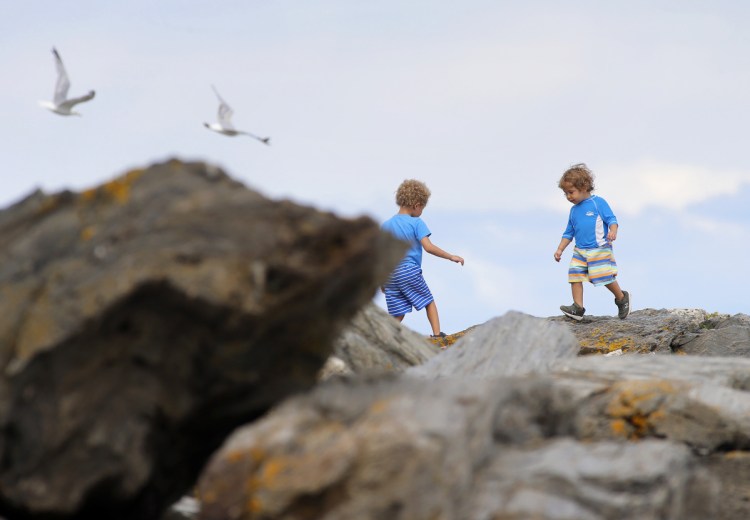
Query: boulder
[[568, 480], [513, 344], [591, 437], [375, 342], [143, 320], [457, 449], [701, 402], [727, 337]]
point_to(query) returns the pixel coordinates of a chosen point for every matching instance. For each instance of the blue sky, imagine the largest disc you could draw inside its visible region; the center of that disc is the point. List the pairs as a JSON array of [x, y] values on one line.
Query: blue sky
[[488, 102]]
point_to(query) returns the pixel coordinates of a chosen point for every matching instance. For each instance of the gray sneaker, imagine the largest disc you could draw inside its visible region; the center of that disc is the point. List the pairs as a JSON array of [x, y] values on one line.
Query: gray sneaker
[[623, 305], [574, 311]]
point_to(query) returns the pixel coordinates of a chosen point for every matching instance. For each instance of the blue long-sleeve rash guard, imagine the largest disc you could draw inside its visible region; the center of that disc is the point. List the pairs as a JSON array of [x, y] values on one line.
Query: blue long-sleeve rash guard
[[589, 222]]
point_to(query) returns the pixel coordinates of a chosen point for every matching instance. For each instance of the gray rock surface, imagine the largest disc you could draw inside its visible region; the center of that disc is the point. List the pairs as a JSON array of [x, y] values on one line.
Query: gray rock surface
[[644, 331], [142, 321], [567, 480], [730, 337], [411, 448], [513, 344], [703, 405], [375, 342], [589, 437]]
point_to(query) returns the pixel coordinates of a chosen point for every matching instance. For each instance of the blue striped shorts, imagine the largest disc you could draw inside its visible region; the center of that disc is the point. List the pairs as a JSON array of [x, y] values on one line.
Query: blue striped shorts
[[406, 289], [597, 266]]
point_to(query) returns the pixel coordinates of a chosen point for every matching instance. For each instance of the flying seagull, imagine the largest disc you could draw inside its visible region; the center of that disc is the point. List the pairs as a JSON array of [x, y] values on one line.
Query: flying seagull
[[225, 127], [61, 104]]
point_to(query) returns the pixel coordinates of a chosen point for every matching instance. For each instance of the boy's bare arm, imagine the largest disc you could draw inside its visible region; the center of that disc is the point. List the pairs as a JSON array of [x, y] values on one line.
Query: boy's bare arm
[[612, 233], [563, 244], [435, 250]]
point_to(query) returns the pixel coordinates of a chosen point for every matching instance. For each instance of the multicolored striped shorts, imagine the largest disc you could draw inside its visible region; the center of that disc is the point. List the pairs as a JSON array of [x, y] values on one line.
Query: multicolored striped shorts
[[598, 266], [406, 288]]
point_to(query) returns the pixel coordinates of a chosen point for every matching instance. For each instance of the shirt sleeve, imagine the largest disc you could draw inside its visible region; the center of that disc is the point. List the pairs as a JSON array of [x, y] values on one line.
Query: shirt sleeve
[[422, 230], [606, 212], [569, 230]]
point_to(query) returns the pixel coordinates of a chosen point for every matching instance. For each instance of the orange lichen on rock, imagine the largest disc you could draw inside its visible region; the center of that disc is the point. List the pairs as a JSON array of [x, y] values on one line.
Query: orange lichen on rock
[[87, 233], [450, 339], [636, 405], [117, 189], [603, 342], [379, 406]]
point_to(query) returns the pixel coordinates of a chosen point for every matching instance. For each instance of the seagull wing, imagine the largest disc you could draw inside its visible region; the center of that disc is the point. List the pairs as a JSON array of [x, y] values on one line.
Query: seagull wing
[[70, 103], [225, 111], [63, 83], [264, 140]]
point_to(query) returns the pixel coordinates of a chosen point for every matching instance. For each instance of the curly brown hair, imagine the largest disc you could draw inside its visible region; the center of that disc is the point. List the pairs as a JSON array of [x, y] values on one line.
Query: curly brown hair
[[412, 193], [579, 176]]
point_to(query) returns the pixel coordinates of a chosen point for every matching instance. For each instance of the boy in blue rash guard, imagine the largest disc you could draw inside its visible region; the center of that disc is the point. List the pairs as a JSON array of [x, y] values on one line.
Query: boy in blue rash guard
[[406, 287], [594, 227]]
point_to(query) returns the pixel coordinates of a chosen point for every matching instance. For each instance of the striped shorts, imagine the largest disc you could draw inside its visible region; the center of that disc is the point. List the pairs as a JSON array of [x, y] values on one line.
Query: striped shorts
[[598, 266], [406, 289]]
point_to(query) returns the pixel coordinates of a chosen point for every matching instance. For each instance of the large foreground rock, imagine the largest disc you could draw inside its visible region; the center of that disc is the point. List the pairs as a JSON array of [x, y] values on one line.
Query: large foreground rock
[[590, 437], [414, 449], [141, 321]]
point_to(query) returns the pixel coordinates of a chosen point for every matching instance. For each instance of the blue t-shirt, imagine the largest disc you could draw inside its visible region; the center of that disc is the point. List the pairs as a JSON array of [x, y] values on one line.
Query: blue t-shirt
[[409, 229], [589, 223]]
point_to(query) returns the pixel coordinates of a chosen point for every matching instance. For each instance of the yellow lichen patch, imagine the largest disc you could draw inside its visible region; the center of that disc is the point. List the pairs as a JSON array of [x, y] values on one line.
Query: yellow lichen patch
[[208, 497], [254, 505], [271, 470], [117, 189], [638, 404], [378, 406], [48, 204], [620, 428], [450, 339], [737, 454], [639, 421], [88, 195], [88, 233], [604, 343], [235, 456], [257, 454]]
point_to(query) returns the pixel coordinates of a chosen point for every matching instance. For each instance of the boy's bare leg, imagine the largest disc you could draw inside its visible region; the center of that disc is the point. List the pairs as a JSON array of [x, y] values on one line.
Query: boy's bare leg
[[400, 318], [432, 316], [577, 289], [614, 287]]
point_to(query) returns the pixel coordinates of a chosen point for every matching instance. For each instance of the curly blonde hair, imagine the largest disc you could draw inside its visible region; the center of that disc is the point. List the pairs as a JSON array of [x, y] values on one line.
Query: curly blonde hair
[[412, 193], [579, 176]]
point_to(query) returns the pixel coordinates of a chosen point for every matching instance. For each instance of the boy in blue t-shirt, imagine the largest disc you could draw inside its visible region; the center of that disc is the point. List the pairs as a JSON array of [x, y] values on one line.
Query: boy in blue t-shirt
[[406, 287], [594, 226]]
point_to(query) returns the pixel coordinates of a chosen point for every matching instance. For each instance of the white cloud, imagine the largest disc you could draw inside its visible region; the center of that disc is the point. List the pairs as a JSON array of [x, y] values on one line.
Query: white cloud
[[718, 229], [633, 189]]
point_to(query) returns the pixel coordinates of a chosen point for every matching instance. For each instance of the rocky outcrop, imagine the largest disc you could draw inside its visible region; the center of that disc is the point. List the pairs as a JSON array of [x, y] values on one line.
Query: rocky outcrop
[[375, 342], [557, 436], [514, 344], [663, 331], [143, 320], [718, 336]]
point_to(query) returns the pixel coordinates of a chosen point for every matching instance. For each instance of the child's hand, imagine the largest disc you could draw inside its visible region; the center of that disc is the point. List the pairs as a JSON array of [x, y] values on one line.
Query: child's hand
[[612, 235], [558, 255], [457, 259]]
